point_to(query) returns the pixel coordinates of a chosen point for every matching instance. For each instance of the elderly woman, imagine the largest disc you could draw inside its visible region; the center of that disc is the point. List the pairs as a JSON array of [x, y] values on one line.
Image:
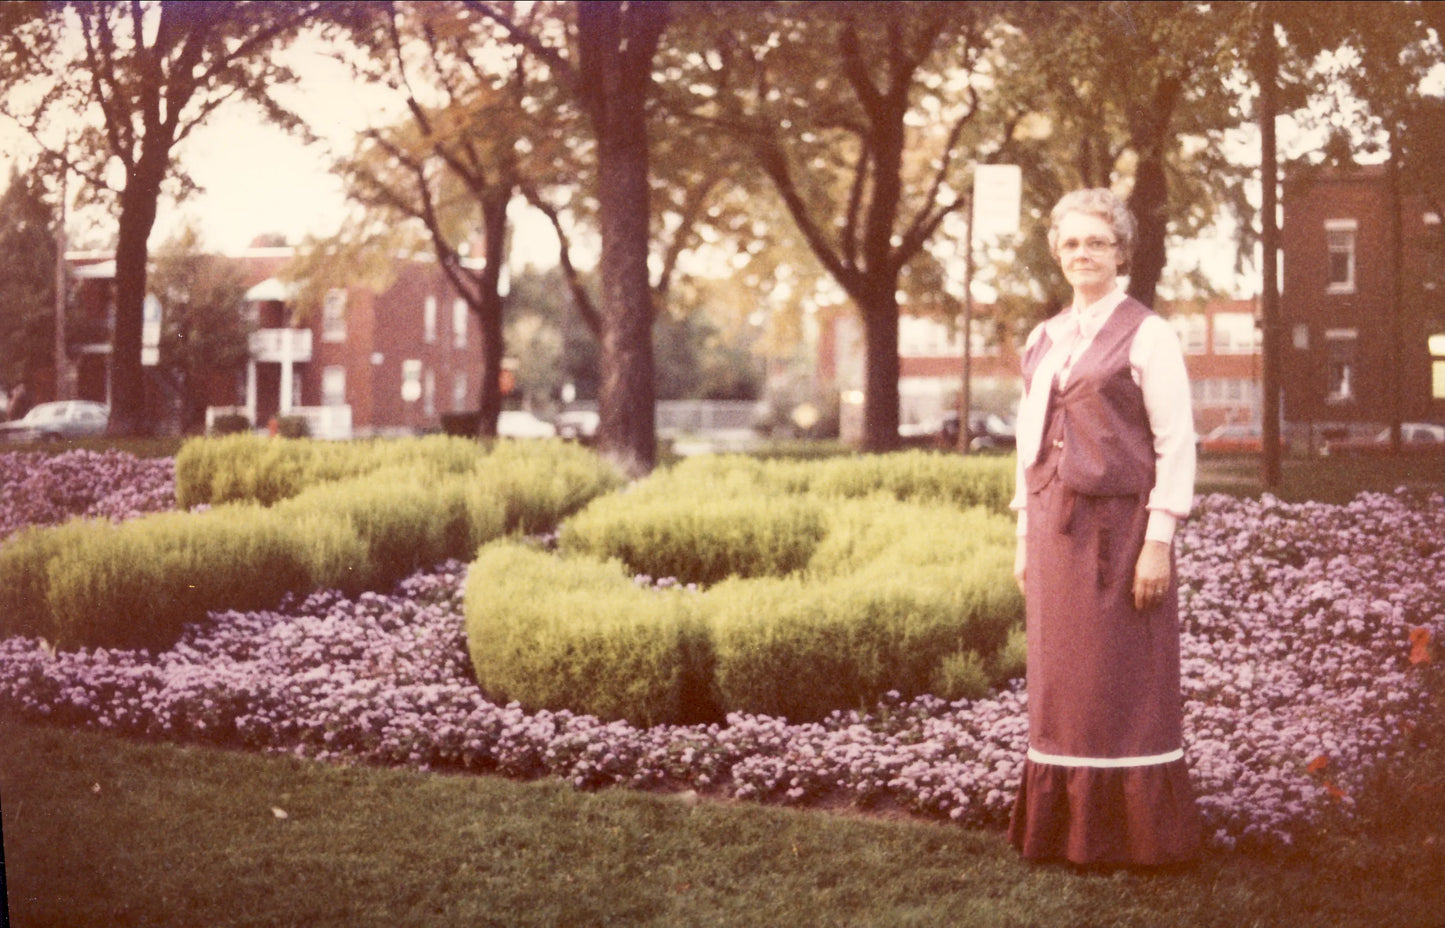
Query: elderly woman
[[1106, 470]]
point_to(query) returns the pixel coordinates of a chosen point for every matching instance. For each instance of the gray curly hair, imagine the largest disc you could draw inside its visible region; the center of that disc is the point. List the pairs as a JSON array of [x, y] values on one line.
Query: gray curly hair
[[1101, 202]]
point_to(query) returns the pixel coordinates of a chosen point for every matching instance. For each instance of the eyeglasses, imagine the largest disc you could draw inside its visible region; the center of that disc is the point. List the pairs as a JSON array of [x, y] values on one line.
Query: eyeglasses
[[1094, 246]]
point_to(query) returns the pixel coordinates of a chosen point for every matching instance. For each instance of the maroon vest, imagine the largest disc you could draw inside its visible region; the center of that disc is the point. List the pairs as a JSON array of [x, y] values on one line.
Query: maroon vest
[[1099, 416]]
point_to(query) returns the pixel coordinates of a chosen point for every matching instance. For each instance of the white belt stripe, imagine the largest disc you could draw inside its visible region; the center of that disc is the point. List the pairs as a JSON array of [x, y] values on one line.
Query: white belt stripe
[[1061, 760]]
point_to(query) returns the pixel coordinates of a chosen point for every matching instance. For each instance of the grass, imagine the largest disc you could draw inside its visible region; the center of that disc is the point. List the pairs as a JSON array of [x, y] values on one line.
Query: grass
[[100, 830]]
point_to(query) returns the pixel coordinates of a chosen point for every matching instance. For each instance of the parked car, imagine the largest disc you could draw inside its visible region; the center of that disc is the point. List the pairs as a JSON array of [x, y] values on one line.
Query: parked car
[[987, 431], [58, 420], [1235, 438], [578, 423], [518, 423], [1414, 436]]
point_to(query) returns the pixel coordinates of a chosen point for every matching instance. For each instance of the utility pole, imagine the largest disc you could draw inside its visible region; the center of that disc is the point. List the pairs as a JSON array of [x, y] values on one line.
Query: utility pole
[[1267, 72], [62, 360], [965, 393], [1397, 350]]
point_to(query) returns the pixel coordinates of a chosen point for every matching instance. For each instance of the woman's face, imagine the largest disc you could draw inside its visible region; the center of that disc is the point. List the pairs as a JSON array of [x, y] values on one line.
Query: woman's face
[[1088, 252]]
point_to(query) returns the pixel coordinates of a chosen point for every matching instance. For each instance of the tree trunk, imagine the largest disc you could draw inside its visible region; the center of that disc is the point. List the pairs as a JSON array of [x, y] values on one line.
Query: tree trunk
[[880, 368], [1149, 202], [490, 309], [127, 377], [616, 44]]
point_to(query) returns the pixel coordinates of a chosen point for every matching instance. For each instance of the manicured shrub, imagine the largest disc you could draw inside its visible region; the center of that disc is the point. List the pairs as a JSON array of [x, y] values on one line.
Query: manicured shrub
[[266, 470], [350, 518], [25, 561], [403, 523], [897, 599], [560, 633], [138, 584], [813, 602], [543, 482], [700, 540], [911, 476]]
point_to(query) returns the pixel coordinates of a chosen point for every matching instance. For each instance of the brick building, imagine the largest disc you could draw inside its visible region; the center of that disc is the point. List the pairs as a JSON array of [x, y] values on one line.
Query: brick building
[[1220, 341], [1349, 354], [369, 363]]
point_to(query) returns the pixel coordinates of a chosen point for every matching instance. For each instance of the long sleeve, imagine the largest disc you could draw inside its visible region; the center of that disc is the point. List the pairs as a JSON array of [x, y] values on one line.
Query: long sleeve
[[1158, 365]]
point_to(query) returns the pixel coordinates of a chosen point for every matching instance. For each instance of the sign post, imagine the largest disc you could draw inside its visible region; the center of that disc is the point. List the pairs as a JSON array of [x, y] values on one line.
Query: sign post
[[993, 211]]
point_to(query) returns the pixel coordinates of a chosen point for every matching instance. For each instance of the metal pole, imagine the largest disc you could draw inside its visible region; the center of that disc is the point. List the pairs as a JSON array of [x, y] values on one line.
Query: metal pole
[[965, 395], [1267, 69], [62, 365]]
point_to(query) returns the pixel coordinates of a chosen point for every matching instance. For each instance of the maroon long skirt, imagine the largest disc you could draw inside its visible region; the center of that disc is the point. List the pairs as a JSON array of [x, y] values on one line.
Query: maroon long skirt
[[1105, 781]]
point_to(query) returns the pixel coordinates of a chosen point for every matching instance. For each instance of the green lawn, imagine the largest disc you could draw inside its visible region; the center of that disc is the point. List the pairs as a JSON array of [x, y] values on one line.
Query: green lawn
[[107, 832]]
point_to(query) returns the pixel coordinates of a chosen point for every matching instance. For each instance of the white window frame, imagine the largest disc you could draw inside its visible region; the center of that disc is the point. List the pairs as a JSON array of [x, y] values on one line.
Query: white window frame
[[333, 315], [459, 323], [1233, 336], [460, 389], [333, 385], [1341, 238], [429, 320]]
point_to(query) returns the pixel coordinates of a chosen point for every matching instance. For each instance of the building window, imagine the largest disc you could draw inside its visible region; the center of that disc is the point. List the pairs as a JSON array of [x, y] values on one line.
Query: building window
[[429, 320], [459, 391], [429, 392], [333, 316], [1340, 243], [1437, 365], [1340, 365], [1192, 329], [411, 380], [459, 323], [1235, 333], [333, 385]]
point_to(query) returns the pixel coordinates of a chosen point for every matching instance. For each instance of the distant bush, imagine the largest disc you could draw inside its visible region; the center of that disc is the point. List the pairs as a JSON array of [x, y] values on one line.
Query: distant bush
[[823, 591], [293, 427], [461, 424], [230, 424]]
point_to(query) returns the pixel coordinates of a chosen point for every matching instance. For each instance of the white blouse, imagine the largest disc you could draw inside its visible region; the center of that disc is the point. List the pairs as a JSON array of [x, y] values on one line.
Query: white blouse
[[1157, 364]]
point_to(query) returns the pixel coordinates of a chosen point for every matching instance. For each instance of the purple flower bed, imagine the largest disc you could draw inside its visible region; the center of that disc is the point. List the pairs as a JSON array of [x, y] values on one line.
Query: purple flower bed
[[1296, 663], [43, 489]]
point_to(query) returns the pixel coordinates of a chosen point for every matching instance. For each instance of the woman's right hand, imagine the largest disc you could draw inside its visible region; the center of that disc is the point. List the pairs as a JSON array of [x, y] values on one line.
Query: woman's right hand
[[1020, 559]]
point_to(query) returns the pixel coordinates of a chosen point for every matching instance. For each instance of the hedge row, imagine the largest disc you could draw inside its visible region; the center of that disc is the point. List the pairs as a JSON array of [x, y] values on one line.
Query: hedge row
[[232, 468], [139, 583], [819, 595]]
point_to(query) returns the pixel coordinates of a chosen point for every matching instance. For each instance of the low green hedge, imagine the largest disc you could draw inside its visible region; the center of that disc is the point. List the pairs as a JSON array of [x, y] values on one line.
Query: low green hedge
[[266, 470], [577, 633], [700, 540], [139, 583], [818, 596]]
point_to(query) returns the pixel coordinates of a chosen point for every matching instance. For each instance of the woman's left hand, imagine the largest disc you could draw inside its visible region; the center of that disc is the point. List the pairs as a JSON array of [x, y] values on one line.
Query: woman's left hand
[[1151, 575]]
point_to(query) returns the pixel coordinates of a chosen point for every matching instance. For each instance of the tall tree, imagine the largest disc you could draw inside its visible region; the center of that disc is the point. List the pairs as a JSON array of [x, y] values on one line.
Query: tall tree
[[1133, 92], [144, 75], [609, 75], [453, 164], [27, 280], [203, 324], [858, 115]]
